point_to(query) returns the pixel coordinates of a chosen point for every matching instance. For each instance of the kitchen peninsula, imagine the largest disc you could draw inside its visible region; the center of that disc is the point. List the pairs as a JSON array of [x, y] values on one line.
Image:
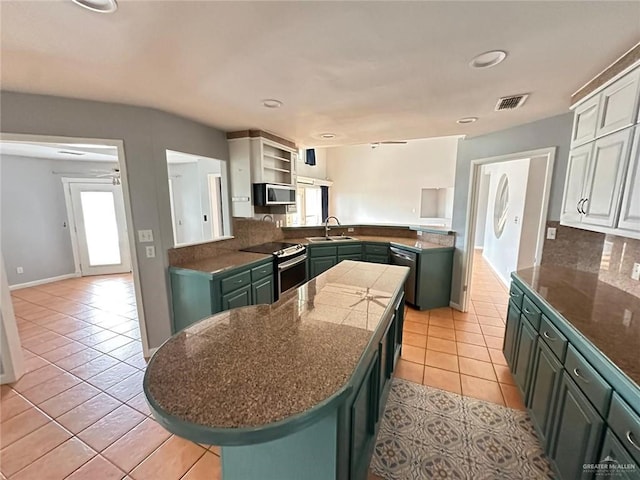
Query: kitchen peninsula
[[295, 389]]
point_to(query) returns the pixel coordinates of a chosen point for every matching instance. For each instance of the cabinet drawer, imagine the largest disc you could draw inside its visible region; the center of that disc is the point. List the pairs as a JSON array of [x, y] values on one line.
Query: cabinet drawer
[[323, 251], [349, 249], [590, 382], [555, 340], [377, 258], [262, 271], [516, 295], [626, 425], [373, 249], [236, 281], [531, 312]]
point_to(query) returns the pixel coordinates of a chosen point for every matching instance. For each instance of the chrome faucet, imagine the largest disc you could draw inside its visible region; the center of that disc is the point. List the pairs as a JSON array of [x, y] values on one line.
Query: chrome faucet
[[264, 219], [326, 225]]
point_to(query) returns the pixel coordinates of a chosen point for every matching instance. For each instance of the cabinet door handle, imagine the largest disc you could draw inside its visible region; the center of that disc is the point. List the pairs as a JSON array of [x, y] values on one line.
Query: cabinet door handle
[[514, 295], [546, 335], [577, 373], [629, 436], [582, 207], [578, 205], [526, 310]]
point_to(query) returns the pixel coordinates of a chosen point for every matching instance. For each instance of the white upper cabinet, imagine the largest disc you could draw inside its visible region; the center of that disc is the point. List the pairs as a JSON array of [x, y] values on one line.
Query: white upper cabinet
[[585, 120], [579, 162], [603, 189], [630, 211], [619, 104]]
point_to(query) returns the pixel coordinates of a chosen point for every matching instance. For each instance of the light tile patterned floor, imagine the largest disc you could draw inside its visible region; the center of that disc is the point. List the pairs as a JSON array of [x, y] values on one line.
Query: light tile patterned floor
[[79, 411], [462, 352]]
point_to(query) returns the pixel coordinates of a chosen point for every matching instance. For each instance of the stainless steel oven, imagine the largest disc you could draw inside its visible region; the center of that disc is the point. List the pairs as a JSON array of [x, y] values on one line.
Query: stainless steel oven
[[290, 261], [292, 271]]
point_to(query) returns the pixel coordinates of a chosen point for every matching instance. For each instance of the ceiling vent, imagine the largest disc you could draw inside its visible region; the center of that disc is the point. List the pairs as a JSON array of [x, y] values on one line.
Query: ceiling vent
[[511, 102]]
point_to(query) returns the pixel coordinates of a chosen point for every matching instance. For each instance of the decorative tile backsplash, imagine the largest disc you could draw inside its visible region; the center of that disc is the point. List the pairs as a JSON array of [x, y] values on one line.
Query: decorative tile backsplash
[[609, 256]]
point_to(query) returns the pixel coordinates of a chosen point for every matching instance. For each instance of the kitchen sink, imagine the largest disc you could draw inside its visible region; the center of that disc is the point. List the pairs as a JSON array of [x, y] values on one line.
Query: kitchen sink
[[330, 238]]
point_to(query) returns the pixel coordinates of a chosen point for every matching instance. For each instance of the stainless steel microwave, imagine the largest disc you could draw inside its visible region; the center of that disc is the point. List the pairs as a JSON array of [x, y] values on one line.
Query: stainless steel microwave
[[265, 194]]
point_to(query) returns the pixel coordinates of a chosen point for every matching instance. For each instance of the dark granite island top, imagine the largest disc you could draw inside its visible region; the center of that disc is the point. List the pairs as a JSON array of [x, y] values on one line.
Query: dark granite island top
[[607, 317], [252, 374]]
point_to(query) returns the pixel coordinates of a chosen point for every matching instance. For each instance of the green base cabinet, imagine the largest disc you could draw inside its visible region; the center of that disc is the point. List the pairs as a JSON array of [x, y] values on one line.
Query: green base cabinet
[[376, 252], [262, 291], [545, 381], [511, 334], [524, 358], [320, 265], [577, 432], [433, 278], [620, 464], [196, 295]]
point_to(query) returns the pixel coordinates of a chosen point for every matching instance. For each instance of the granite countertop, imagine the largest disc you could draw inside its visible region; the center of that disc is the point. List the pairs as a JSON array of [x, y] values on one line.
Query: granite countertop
[[220, 263], [407, 242], [606, 316], [253, 366]]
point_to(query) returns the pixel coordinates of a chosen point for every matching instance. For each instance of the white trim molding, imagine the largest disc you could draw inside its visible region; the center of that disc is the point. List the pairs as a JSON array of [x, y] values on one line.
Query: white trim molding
[[43, 281]]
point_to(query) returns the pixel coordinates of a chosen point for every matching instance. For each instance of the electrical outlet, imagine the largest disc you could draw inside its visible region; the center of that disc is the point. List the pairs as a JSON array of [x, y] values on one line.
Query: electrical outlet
[[145, 236], [626, 318], [419, 233], [551, 233], [150, 251], [20, 270], [350, 230], [635, 274]]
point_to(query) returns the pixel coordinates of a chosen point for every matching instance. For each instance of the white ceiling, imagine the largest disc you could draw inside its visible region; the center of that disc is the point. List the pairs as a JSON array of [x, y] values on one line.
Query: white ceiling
[[60, 151], [367, 71]]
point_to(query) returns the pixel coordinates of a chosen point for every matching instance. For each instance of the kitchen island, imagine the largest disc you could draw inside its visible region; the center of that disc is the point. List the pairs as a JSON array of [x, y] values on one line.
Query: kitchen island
[[291, 390]]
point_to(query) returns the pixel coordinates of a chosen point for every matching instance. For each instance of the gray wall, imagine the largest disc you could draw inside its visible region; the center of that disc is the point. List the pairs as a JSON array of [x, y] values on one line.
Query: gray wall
[[147, 134], [549, 132], [35, 234]]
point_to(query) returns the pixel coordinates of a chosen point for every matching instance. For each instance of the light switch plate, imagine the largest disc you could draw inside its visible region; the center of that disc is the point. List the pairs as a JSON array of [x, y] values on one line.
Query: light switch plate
[[635, 273], [551, 233], [145, 236], [150, 251]]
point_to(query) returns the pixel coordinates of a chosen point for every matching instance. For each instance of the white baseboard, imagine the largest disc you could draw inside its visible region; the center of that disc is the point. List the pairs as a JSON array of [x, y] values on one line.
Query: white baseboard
[[455, 305], [44, 281]]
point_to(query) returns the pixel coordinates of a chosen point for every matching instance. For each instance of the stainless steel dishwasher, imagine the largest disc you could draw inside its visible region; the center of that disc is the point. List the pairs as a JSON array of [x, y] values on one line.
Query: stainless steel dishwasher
[[407, 259]]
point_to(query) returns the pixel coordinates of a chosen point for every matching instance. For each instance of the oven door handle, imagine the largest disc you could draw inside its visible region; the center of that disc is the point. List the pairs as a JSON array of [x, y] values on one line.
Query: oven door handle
[[292, 262]]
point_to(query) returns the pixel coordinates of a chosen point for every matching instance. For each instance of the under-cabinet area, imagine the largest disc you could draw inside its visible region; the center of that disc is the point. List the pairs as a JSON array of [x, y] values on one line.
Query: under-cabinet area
[[572, 345]]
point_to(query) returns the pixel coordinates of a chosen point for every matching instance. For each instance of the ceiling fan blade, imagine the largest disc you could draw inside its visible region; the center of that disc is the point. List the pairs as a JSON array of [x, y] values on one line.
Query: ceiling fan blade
[[393, 142]]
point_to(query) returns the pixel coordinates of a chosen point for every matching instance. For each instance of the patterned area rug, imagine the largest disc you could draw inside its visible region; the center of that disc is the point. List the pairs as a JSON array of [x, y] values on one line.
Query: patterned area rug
[[428, 433]]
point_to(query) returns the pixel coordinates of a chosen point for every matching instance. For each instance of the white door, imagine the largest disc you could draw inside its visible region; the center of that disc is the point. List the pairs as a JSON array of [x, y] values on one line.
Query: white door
[[579, 160], [630, 212], [100, 226], [604, 183]]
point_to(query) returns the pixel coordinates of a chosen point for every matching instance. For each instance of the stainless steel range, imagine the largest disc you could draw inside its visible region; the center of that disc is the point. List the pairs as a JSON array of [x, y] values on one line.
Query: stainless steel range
[[290, 261]]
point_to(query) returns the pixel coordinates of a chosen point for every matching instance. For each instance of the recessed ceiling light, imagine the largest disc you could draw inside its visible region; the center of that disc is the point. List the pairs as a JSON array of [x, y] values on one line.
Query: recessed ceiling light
[[488, 59], [328, 135], [272, 103], [100, 6], [467, 120]]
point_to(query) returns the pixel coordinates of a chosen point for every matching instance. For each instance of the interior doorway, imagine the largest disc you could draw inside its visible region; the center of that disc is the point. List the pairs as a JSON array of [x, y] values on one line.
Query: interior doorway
[[99, 228], [81, 230], [514, 204], [215, 202]]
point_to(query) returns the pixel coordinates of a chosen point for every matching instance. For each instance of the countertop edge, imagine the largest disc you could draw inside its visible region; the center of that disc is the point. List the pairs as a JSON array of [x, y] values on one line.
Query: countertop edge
[[624, 385]]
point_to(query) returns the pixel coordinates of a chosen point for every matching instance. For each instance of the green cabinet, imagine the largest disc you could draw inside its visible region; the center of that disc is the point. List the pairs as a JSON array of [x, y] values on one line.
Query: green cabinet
[[526, 342], [576, 434], [320, 264], [196, 295], [619, 463], [262, 291], [364, 415], [511, 334], [237, 298], [545, 381], [376, 252]]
